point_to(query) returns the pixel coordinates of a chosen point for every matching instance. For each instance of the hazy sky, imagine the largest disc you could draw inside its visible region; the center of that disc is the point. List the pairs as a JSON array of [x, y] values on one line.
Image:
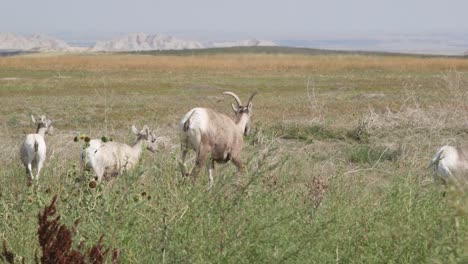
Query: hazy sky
[[268, 18]]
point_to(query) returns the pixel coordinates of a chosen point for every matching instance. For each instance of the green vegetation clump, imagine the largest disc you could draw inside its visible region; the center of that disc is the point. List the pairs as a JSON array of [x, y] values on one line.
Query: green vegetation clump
[[307, 133], [360, 134], [371, 154]]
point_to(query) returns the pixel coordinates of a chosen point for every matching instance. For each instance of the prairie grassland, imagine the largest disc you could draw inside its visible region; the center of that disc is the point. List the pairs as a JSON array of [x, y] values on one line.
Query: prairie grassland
[[336, 165], [232, 62]]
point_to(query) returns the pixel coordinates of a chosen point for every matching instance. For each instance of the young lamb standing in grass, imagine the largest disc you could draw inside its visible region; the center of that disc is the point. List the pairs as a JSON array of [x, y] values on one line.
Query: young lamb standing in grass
[[113, 158], [215, 135], [33, 149], [450, 164]]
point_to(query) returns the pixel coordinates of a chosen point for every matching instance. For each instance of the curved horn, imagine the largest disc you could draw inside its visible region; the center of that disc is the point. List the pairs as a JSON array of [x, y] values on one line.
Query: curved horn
[[234, 108], [239, 102], [251, 97]]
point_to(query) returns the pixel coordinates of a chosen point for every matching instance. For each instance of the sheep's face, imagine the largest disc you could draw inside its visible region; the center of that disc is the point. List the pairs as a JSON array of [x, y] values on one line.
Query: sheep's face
[[44, 122], [146, 135], [242, 110], [247, 129], [48, 126], [245, 110], [152, 142]]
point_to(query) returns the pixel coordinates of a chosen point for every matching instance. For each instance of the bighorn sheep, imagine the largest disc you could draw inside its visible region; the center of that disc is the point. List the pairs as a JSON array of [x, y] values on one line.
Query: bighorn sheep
[[33, 149], [209, 132], [112, 158], [450, 164]]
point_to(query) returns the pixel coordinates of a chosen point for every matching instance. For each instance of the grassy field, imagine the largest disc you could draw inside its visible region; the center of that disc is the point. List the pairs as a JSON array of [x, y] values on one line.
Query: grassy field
[[337, 162]]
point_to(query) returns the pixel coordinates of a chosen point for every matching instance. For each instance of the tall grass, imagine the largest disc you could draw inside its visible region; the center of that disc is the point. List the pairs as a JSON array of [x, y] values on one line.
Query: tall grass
[[232, 62], [342, 179], [153, 215]]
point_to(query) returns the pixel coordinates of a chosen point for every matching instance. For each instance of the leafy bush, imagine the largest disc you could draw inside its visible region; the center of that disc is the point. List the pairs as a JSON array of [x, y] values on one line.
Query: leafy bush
[[56, 242]]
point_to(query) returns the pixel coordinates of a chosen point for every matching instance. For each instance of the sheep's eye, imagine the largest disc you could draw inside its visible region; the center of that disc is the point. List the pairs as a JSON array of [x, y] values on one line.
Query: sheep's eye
[[153, 140]]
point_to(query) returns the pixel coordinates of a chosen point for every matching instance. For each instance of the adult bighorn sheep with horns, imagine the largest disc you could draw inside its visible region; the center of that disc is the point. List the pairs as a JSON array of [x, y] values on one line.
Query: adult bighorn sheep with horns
[[215, 135]]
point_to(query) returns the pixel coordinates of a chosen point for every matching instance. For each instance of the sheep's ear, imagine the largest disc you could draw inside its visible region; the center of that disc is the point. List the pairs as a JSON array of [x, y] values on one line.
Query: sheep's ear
[[250, 106], [134, 130], [33, 119], [145, 130], [43, 119]]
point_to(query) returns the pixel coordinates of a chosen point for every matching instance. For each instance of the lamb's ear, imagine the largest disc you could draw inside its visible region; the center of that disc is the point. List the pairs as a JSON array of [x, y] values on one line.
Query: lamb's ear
[[250, 106], [145, 130], [33, 119], [135, 130]]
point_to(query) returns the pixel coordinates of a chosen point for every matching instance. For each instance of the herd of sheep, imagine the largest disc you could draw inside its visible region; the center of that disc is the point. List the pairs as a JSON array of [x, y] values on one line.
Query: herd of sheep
[[206, 131], [209, 133]]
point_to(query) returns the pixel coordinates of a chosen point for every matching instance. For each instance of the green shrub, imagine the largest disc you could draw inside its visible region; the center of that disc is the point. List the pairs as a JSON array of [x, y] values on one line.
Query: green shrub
[[307, 133], [371, 154]]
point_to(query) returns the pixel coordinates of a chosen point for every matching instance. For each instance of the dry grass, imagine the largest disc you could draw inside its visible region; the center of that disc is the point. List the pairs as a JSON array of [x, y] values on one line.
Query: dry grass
[[244, 62], [352, 134]]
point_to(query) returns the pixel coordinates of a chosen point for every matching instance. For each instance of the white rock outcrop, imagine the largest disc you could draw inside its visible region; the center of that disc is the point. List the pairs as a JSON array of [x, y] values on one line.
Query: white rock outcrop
[[142, 42], [36, 42], [131, 42]]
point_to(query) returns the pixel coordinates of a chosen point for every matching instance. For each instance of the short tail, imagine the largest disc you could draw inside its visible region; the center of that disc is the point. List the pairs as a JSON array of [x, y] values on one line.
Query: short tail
[[187, 122], [437, 158]]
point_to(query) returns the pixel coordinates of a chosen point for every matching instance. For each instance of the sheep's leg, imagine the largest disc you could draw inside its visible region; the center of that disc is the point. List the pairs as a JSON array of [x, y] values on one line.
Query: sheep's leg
[[238, 163], [445, 175], [183, 155], [99, 173], [39, 167], [200, 163], [211, 168], [196, 169], [99, 176], [83, 162], [29, 171]]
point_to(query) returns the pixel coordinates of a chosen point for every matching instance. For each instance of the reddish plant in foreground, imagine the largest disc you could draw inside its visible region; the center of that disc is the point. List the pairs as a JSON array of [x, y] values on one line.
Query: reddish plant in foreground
[[6, 255], [56, 242]]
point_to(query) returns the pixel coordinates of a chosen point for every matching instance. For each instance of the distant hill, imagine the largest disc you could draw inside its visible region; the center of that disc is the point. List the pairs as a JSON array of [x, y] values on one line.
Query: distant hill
[[36, 42], [14, 44], [281, 50], [11, 43], [241, 43], [142, 42], [158, 42]]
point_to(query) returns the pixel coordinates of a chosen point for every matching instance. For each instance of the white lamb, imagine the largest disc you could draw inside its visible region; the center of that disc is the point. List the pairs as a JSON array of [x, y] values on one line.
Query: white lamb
[[33, 149], [113, 158], [450, 164]]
